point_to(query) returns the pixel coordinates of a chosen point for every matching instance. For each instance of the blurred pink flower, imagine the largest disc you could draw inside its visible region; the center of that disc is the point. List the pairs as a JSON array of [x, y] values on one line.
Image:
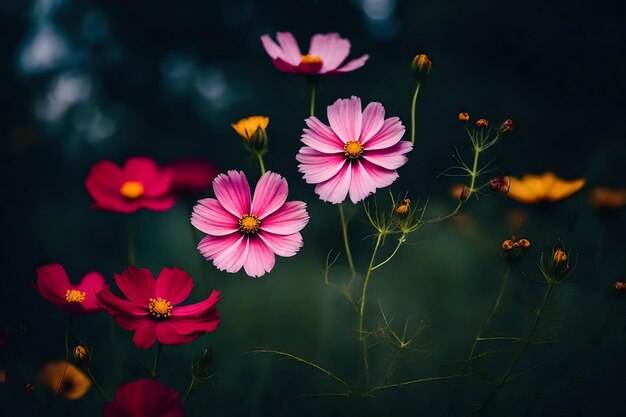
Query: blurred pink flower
[[191, 175], [151, 309], [358, 153], [145, 398], [54, 285], [248, 232], [326, 54]]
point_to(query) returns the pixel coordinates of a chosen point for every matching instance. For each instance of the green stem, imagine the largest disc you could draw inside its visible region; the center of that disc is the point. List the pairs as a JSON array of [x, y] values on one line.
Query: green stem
[[346, 243], [259, 156], [517, 358], [362, 310], [492, 313], [131, 240], [417, 90], [98, 387], [157, 359], [186, 396], [312, 107]]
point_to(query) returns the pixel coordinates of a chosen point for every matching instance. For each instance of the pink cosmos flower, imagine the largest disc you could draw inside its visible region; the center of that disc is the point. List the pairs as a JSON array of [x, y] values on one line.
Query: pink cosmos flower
[[140, 183], [248, 232], [190, 175], [326, 54], [152, 309], [54, 285], [358, 153], [145, 398]]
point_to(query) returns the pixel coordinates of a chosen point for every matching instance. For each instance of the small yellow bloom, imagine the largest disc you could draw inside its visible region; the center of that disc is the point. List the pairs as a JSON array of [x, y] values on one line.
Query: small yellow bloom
[[508, 245], [404, 208], [421, 66], [482, 123], [248, 126], [523, 243], [559, 256], [607, 198], [65, 379], [546, 187], [464, 117]]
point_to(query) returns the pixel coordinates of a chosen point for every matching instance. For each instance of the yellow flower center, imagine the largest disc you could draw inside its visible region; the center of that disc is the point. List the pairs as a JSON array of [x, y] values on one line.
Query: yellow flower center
[[353, 149], [132, 190], [249, 223], [74, 296], [311, 59], [160, 307]]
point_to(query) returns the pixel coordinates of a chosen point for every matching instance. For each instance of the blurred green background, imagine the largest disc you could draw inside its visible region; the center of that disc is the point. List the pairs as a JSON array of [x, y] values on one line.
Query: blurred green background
[[87, 81]]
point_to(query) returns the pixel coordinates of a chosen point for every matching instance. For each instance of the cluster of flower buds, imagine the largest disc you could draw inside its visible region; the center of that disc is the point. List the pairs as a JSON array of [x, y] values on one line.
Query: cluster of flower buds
[[420, 67], [515, 249], [505, 127]]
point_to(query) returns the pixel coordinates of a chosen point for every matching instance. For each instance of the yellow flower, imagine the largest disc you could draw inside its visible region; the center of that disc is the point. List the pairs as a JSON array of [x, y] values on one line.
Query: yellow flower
[[248, 126], [607, 198], [65, 379], [464, 117], [559, 256], [546, 187]]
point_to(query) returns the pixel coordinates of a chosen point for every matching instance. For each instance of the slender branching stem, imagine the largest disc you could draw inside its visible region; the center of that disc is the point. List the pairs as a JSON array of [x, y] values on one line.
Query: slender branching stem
[[346, 243], [97, 385], [191, 384], [401, 240], [157, 360], [413, 105]]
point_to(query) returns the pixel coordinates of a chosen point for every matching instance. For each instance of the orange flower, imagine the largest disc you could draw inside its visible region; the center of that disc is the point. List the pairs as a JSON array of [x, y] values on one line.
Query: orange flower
[[482, 123], [559, 256], [65, 379], [546, 187], [607, 198], [620, 285], [464, 117]]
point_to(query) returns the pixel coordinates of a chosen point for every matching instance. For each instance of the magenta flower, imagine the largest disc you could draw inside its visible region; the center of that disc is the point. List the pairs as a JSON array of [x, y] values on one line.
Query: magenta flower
[[144, 398], [54, 285], [152, 309], [358, 153], [245, 232], [326, 54]]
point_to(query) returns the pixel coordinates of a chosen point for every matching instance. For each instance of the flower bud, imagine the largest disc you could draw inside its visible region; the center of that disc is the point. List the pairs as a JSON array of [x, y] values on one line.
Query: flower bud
[[559, 256], [523, 243], [482, 123], [29, 388], [402, 210], [507, 126], [464, 117], [420, 66], [200, 368], [508, 245], [81, 353], [499, 184], [620, 285], [252, 129]]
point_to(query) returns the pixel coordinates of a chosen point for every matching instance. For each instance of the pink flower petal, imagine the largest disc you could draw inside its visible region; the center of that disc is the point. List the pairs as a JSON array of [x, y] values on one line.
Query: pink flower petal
[[351, 65], [344, 116], [211, 218], [272, 49], [285, 66], [336, 188], [317, 166], [390, 158], [389, 134], [162, 203], [331, 48], [136, 284], [156, 182], [145, 335], [227, 252], [196, 325], [291, 50], [269, 194], [52, 283], [321, 137], [361, 184], [198, 309], [173, 285], [380, 177], [283, 245], [117, 306], [289, 219], [260, 258], [166, 333], [373, 119], [233, 192], [90, 285]]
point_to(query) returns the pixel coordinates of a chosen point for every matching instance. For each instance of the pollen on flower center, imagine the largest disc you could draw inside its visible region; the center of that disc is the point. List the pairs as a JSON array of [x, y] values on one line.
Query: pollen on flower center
[[249, 223], [353, 149], [160, 307], [132, 190], [311, 59], [74, 296]]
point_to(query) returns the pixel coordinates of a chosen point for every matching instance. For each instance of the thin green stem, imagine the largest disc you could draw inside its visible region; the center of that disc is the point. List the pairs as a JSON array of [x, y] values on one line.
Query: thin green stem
[[413, 105], [346, 243], [131, 240], [191, 384], [519, 355], [362, 310], [157, 359], [95, 383], [312, 107], [400, 242], [259, 156]]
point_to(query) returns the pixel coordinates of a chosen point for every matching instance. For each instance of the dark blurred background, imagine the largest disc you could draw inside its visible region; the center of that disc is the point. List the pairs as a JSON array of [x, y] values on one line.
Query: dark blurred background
[[87, 81]]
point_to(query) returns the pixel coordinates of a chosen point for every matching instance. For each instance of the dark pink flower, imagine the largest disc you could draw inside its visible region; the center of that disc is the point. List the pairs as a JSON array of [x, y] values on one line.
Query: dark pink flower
[[248, 232], [145, 398], [152, 309], [358, 153], [326, 54], [191, 175], [139, 184], [54, 285]]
